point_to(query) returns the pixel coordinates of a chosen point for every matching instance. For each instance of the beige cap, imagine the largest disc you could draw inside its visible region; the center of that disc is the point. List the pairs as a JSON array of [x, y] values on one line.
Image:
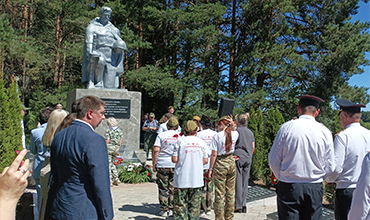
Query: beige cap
[[172, 122], [190, 126]]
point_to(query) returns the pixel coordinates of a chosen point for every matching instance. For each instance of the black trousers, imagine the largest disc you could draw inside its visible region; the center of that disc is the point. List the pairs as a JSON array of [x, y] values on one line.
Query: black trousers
[[343, 200], [299, 200]]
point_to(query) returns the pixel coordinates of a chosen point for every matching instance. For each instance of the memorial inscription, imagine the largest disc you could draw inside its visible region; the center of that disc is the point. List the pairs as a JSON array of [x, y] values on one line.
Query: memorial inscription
[[117, 108]]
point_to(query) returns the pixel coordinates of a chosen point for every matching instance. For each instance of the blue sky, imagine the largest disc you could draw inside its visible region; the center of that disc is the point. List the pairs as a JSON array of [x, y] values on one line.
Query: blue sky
[[362, 79]]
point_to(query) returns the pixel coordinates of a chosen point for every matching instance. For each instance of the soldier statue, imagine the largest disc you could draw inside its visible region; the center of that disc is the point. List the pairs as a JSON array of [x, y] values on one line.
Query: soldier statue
[[103, 53]]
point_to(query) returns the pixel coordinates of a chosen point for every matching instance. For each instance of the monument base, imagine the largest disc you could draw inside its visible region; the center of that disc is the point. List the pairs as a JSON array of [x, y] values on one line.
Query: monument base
[[125, 107]]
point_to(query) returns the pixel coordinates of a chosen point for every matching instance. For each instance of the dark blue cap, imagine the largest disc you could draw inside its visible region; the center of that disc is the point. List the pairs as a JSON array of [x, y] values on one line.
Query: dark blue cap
[[349, 106], [306, 100]]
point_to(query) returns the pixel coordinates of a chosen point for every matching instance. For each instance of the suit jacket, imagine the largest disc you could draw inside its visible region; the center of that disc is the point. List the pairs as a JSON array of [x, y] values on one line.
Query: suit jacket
[[244, 146], [80, 175]]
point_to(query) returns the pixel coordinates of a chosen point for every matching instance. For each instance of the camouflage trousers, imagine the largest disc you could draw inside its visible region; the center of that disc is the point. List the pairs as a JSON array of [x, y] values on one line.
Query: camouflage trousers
[[187, 203], [224, 174], [113, 172], [207, 194], [165, 187]]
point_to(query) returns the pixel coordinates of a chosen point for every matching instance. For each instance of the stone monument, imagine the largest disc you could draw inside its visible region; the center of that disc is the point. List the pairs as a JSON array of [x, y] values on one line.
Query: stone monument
[[103, 53], [102, 65]]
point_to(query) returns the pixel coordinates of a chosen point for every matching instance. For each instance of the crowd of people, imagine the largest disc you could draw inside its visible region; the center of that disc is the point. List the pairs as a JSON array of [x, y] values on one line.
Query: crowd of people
[[198, 170], [204, 163]]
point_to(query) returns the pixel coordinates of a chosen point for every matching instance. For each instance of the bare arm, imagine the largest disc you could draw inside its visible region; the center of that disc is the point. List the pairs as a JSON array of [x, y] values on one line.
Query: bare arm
[[212, 163], [107, 141], [253, 145], [156, 150]]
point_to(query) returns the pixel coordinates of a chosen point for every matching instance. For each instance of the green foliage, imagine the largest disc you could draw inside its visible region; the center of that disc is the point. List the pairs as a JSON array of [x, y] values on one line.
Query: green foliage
[[329, 192], [365, 116], [10, 124], [259, 157], [134, 173], [265, 128], [365, 124]]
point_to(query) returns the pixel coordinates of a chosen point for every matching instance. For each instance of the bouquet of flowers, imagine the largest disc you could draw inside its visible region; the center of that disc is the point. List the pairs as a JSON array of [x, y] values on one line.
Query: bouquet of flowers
[[134, 173]]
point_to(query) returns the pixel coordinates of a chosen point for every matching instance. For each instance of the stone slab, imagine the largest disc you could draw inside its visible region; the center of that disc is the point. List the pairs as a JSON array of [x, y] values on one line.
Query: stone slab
[[130, 126]]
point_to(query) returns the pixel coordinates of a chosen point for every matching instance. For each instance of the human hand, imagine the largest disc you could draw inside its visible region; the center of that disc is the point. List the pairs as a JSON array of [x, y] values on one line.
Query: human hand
[[154, 168], [13, 180], [209, 174], [236, 157]]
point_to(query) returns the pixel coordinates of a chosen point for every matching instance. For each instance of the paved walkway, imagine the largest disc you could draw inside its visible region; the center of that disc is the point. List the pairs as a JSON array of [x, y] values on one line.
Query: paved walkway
[[140, 202]]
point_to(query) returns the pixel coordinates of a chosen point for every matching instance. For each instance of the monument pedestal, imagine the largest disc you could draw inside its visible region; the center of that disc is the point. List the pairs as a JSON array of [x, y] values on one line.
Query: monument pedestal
[[123, 105]]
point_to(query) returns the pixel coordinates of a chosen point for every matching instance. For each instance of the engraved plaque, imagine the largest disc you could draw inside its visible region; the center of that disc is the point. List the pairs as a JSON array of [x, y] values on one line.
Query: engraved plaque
[[117, 108]]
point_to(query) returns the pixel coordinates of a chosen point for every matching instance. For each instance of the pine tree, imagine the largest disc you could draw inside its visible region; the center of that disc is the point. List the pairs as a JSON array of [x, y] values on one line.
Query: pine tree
[[10, 124]]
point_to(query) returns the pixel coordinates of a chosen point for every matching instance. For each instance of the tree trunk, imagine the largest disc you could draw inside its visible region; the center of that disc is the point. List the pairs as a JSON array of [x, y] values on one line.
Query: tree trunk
[[232, 78], [58, 39]]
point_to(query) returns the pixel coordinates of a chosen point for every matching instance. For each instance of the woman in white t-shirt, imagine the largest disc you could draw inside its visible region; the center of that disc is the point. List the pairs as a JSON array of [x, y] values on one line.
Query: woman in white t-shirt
[[190, 156], [222, 168], [162, 164]]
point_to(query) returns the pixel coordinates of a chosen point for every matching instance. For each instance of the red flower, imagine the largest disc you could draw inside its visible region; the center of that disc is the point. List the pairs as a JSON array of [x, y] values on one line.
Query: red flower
[[274, 179], [136, 171], [254, 151], [17, 151], [149, 167], [148, 174], [206, 177], [181, 134], [176, 135], [115, 163]]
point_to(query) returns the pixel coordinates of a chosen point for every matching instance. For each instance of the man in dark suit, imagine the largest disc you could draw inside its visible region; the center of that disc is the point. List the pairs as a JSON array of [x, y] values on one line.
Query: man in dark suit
[[79, 166]]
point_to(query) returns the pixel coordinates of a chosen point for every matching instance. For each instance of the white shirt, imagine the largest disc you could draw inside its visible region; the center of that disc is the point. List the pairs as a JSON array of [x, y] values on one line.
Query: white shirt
[[166, 141], [360, 207], [350, 148], [189, 169], [218, 142], [302, 152], [207, 136], [163, 128]]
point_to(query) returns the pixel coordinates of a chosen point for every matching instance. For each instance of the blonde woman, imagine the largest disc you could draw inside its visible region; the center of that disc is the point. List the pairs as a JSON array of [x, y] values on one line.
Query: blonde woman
[[56, 117]]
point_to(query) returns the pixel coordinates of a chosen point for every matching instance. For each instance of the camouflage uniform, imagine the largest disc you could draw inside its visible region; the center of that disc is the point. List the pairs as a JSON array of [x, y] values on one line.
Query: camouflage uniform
[[224, 174], [114, 136], [207, 194], [187, 203], [165, 188]]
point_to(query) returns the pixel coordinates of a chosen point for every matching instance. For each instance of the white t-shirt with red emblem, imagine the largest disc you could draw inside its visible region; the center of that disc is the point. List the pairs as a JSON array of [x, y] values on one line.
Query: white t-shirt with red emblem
[[207, 136], [189, 169], [166, 141]]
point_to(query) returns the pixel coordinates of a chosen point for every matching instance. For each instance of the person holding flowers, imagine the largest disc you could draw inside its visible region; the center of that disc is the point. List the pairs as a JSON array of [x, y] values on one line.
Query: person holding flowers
[[189, 155], [162, 164]]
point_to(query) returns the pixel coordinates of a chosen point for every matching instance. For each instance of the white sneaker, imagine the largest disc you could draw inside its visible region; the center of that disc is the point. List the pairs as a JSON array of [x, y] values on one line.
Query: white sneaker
[[170, 213], [163, 213]]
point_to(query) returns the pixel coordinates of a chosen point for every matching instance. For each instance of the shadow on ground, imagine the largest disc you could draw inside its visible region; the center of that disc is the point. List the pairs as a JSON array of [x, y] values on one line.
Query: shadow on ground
[[151, 209]]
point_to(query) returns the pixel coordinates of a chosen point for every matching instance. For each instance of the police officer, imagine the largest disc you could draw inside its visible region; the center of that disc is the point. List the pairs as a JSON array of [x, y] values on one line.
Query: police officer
[[350, 148], [301, 155]]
